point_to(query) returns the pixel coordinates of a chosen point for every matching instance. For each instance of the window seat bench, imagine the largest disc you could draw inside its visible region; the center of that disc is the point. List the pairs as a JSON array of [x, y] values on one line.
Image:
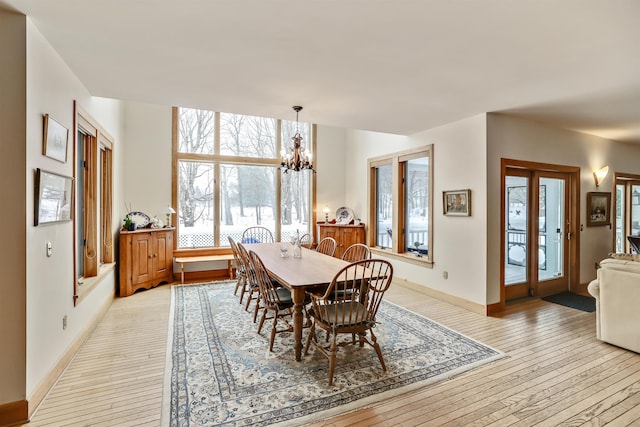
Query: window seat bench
[[182, 260]]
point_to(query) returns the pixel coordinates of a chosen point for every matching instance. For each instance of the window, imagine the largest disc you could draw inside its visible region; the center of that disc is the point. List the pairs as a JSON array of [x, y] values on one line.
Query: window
[[93, 220], [227, 178], [401, 203], [627, 210]]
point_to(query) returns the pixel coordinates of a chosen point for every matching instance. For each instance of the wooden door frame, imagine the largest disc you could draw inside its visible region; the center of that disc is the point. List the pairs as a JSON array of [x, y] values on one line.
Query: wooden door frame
[[573, 215]]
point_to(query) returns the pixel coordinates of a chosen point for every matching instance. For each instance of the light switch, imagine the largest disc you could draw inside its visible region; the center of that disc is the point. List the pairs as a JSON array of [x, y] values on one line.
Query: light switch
[[49, 246]]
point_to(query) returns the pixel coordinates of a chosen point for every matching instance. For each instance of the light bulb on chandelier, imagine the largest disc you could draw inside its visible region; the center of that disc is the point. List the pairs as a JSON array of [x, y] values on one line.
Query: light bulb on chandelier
[[297, 158]]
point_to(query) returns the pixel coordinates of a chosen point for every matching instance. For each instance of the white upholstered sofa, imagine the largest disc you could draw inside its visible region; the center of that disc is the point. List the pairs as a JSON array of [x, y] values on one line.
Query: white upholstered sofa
[[617, 293]]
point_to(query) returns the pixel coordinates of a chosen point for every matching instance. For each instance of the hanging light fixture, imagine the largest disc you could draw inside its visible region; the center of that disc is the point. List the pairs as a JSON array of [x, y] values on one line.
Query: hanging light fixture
[[298, 158]]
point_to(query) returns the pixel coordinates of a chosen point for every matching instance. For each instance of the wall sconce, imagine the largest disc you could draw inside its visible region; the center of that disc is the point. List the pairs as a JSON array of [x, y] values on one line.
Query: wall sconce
[[326, 213], [169, 211], [600, 175]]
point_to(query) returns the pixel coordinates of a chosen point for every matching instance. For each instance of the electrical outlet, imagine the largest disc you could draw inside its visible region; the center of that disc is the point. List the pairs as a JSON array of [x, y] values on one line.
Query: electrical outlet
[[445, 274], [64, 322], [49, 249]]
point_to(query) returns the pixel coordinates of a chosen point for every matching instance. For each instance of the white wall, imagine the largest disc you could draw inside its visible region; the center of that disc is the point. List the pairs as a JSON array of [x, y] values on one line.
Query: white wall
[[51, 88], [147, 161], [330, 165], [514, 138], [14, 194], [459, 163]]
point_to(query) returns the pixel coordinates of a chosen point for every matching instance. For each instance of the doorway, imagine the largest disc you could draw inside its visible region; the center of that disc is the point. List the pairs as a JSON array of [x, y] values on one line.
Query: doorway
[[539, 220]]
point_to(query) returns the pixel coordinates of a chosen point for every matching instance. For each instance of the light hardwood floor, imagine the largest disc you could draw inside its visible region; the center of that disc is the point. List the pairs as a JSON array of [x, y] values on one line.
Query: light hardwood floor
[[557, 373]]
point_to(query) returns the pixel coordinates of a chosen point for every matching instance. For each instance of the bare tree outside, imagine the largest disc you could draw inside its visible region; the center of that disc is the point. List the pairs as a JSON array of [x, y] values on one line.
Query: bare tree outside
[[247, 189]]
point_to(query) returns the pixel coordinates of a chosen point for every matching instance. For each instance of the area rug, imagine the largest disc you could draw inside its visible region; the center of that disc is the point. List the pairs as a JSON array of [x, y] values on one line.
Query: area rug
[[577, 301], [220, 371]]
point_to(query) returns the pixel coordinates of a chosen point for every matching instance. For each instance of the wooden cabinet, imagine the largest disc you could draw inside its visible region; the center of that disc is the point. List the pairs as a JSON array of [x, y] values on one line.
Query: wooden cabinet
[[146, 259], [344, 235]]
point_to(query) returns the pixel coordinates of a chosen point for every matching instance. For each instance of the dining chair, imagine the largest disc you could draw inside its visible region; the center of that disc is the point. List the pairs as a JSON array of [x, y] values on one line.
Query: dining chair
[[327, 246], [241, 274], [257, 234], [356, 252], [337, 313], [306, 241], [251, 288], [273, 299]]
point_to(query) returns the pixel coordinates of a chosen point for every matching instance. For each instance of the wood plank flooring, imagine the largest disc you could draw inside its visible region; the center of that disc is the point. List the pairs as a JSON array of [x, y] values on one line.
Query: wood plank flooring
[[557, 373]]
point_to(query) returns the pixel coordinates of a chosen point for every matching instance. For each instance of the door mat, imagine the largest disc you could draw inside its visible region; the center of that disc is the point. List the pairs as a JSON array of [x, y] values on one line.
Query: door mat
[[569, 299]]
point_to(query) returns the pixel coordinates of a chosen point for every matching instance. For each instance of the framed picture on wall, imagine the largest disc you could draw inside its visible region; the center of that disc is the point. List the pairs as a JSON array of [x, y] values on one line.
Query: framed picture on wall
[[55, 139], [53, 197], [456, 202], [598, 209]]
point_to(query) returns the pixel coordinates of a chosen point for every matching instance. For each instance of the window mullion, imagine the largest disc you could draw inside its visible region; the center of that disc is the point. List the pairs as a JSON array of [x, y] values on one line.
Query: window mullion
[[278, 202], [397, 207]]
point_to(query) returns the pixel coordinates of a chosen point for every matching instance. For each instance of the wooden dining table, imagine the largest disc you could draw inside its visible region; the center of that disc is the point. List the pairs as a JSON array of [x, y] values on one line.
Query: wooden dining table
[[299, 275]]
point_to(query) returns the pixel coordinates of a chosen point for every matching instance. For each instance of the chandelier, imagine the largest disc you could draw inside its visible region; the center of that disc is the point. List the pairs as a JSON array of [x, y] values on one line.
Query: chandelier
[[297, 158]]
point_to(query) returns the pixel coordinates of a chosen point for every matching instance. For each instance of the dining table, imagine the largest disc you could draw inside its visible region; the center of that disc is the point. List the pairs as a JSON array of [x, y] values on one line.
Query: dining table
[[311, 271]]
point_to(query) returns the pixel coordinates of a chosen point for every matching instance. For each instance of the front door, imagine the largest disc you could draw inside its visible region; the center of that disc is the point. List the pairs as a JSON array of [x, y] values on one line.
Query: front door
[[536, 233]]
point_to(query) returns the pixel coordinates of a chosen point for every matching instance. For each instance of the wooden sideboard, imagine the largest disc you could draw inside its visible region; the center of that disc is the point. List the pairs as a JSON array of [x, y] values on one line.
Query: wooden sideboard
[[344, 235], [146, 259]]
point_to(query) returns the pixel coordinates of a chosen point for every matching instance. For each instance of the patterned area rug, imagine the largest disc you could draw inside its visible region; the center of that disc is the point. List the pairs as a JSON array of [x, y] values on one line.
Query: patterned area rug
[[220, 371]]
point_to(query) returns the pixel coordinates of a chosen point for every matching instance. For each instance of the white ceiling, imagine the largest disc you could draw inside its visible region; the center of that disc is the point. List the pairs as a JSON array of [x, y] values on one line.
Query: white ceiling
[[384, 65]]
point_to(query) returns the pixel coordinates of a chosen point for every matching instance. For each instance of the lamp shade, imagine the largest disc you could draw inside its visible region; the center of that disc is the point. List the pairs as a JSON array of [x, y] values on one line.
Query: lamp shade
[[600, 175]]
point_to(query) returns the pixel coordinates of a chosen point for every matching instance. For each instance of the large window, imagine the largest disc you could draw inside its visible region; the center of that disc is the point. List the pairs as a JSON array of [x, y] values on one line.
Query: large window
[[227, 178], [93, 150], [401, 203]]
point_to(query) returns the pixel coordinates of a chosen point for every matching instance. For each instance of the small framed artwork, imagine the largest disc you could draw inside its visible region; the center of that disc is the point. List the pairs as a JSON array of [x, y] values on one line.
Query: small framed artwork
[[55, 139], [598, 209], [53, 197], [456, 202]]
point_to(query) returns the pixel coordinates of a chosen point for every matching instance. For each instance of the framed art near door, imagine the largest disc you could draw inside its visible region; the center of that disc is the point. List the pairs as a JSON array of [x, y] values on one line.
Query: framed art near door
[[598, 209], [456, 203]]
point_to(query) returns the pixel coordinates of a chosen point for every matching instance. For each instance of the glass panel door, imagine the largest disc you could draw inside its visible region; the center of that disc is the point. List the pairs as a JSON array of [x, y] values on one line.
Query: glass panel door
[[536, 259], [550, 229], [516, 251]]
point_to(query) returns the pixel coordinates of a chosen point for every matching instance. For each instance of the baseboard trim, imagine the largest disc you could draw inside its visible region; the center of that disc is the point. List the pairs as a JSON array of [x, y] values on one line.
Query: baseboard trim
[[49, 381], [457, 301], [14, 413]]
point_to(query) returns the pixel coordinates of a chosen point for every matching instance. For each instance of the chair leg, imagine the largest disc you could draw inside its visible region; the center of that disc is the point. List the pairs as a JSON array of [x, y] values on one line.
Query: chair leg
[[239, 281], [273, 331], [262, 319], [376, 346], [251, 292], [312, 336], [256, 309], [332, 359], [243, 291]]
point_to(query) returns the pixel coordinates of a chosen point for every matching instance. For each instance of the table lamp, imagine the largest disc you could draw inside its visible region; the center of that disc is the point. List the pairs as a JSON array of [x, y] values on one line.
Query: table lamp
[[169, 211], [326, 213]]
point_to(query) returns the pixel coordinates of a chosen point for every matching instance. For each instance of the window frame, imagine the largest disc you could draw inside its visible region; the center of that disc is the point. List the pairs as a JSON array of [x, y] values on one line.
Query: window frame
[[398, 162], [219, 159], [97, 205], [628, 181]]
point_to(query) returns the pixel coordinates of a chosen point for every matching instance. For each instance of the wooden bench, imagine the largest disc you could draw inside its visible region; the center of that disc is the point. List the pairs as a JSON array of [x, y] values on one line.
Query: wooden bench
[[205, 258]]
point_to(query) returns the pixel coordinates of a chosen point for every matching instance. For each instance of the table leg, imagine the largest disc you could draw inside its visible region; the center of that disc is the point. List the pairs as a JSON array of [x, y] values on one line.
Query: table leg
[[182, 273], [298, 295]]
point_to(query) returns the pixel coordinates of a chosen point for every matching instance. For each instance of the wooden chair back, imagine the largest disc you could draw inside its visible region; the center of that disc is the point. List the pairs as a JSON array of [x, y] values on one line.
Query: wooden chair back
[[327, 246], [356, 252], [306, 240], [241, 275], [257, 234], [349, 306]]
